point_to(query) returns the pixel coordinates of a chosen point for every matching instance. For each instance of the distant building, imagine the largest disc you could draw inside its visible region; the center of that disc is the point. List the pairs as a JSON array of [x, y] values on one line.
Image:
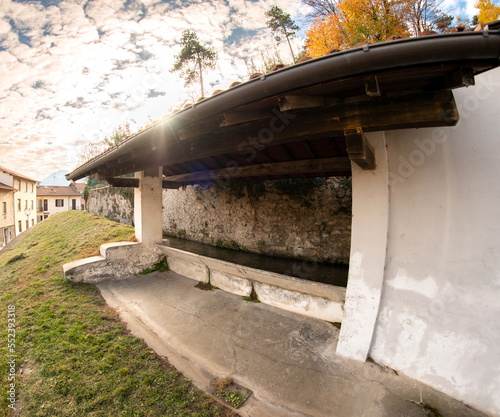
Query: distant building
[[7, 221], [17, 197], [79, 186], [54, 199]]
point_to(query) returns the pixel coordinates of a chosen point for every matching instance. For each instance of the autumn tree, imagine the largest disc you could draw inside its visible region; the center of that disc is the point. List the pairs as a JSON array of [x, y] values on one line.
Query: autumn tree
[[488, 12], [282, 26], [194, 59], [357, 21]]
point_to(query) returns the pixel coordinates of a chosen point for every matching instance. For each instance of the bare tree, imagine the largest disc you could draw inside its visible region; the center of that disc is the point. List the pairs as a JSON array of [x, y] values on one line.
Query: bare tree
[[320, 8], [426, 15]]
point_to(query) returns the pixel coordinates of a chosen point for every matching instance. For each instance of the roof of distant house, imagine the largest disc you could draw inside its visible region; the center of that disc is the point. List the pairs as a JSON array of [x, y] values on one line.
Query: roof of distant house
[[79, 186], [6, 187], [15, 174], [56, 191]]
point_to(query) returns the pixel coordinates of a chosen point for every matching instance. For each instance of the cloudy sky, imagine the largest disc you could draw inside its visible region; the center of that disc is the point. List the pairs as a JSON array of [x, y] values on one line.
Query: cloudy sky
[[73, 70]]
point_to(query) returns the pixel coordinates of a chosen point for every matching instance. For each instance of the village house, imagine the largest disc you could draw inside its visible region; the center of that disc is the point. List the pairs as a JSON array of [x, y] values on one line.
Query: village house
[[7, 221], [415, 123], [54, 199], [20, 201]]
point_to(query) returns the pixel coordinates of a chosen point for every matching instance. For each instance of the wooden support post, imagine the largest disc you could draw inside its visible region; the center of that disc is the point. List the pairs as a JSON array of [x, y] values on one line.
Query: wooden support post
[[358, 148]]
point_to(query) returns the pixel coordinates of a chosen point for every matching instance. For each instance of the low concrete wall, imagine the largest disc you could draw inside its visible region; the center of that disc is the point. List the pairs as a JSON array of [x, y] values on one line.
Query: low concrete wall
[[308, 218], [312, 299], [117, 260]]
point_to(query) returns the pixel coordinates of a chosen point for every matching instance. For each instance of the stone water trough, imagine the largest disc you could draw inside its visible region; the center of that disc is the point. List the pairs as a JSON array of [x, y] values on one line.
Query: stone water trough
[[124, 259]]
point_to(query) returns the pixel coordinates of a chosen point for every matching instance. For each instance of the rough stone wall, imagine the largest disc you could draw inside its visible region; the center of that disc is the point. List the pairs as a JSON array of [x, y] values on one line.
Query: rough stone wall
[[113, 203], [298, 218], [309, 218]]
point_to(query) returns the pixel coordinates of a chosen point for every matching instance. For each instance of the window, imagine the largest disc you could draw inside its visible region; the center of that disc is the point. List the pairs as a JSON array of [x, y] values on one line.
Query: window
[[27, 224], [20, 224], [73, 204], [45, 205], [32, 222], [59, 202], [32, 188], [26, 204], [32, 204], [4, 210], [26, 187], [19, 185], [19, 204]]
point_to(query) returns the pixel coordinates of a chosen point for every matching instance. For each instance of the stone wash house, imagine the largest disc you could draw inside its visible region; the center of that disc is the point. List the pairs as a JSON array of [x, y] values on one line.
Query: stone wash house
[[415, 123], [17, 199]]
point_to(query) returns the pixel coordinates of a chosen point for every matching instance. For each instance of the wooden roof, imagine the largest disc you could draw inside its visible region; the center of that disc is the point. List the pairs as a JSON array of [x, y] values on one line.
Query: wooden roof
[[308, 119]]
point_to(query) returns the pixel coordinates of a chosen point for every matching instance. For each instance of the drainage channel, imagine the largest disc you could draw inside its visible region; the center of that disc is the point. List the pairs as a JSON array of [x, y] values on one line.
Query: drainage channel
[[309, 270]]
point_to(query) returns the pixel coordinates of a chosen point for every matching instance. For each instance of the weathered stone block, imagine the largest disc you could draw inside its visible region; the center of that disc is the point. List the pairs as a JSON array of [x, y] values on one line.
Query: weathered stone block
[[196, 271], [301, 303], [231, 283]]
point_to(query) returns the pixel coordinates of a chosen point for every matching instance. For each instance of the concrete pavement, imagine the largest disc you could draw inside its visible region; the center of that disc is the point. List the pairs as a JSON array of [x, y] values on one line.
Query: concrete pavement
[[287, 360]]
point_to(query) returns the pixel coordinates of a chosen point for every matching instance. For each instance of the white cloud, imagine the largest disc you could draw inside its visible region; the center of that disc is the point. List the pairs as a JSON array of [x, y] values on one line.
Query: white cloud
[[70, 75]]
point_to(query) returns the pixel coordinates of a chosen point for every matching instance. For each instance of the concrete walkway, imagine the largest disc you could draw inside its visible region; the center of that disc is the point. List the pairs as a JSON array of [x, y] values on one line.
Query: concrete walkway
[[287, 360]]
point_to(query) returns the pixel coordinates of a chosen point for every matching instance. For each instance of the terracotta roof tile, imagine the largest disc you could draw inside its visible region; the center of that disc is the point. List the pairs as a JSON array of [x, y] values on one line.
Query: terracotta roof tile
[[15, 174], [57, 191]]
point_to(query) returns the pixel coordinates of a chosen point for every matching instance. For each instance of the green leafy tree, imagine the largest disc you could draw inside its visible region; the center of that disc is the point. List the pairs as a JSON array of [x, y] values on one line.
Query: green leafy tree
[[282, 26], [194, 59]]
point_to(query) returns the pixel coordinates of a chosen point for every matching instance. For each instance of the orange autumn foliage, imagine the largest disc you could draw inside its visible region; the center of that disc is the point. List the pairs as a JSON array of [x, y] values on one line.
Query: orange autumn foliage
[[488, 12], [358, 21]]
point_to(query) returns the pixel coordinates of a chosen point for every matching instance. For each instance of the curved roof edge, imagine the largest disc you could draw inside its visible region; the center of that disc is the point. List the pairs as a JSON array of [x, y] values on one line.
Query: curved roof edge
[[461, 47]]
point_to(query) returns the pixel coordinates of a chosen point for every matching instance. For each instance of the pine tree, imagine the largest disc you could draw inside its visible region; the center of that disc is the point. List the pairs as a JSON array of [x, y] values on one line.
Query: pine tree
[[282, 26], [193, 59]]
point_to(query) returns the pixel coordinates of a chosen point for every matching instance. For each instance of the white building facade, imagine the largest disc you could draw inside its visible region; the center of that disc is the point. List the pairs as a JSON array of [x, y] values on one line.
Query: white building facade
[[55, 199]]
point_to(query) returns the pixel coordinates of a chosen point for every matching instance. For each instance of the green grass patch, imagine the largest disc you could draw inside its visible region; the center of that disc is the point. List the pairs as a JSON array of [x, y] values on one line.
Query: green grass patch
[[74, 356]]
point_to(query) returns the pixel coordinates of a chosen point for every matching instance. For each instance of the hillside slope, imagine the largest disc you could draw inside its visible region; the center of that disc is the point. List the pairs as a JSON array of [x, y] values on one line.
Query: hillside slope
[[72, 355]]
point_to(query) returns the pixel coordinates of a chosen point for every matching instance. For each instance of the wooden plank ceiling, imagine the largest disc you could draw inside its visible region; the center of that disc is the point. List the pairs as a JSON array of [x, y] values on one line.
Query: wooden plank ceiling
[[310, 132]]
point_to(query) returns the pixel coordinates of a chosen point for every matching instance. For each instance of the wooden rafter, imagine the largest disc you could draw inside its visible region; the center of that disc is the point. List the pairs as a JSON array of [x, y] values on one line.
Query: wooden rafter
[[309, 166]]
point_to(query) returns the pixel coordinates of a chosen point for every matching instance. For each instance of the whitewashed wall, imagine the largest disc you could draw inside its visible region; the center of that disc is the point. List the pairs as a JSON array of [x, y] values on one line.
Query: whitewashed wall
[[439, 317]]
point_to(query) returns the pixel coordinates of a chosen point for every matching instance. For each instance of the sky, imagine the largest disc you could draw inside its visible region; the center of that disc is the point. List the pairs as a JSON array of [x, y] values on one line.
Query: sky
[[71, 71]]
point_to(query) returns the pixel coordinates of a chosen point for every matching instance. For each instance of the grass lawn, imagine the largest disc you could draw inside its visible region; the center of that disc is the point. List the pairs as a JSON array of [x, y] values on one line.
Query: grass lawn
[[73, 355]]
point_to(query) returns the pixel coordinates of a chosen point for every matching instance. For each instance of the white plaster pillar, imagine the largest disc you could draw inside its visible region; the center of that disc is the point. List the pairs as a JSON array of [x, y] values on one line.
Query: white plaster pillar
[[148, 206], [370, 216]]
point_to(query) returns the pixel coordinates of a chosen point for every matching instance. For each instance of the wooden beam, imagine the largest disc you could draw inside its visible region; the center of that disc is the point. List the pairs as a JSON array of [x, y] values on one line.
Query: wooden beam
[[123, 182], [309, 166], [461, 77], [358, 148], [429, 109], [235, 117], [172, 185], [290, 102], [371, 86]]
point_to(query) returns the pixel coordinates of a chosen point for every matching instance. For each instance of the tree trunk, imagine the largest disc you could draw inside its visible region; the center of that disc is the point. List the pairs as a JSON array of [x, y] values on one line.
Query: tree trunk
[[201, 77], [289, 44]]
